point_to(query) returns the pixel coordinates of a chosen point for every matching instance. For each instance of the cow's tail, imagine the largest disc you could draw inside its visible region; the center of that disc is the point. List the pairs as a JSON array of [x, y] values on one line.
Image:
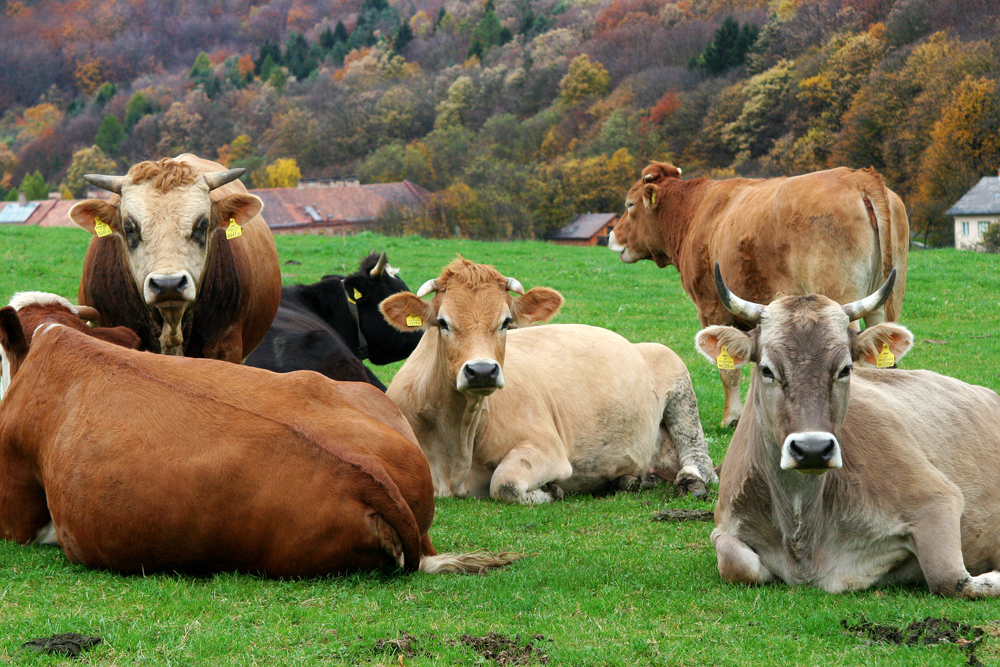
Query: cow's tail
[[469, 563], [888, 216]]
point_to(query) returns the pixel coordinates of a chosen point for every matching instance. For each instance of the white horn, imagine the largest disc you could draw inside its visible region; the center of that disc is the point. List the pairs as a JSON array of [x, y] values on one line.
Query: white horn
[[427, 288], [377, 271], [863, 307], [514, 286], [218, 178], [748, 310]]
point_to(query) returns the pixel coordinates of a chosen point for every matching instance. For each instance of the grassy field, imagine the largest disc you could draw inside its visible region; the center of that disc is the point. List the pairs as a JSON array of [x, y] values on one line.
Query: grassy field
[[605, 585]]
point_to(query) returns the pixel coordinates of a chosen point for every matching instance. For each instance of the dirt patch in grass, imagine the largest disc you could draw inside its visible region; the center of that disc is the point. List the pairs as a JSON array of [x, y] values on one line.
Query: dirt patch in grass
[[929, 631], [67, 643], [506, 650], [683, 515], [502, 650]]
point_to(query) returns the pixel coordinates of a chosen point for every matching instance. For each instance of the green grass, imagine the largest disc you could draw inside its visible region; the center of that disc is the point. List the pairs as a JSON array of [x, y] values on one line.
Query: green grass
[[604, 584]]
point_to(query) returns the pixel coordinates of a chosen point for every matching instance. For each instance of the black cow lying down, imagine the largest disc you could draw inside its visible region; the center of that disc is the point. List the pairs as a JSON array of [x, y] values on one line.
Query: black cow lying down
[[330, 326]]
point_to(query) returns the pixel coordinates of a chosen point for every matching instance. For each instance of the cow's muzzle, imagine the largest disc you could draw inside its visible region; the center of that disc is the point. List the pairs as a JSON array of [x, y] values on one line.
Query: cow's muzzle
[[480, 376], [811, 452], [624, 253], [163, 287]]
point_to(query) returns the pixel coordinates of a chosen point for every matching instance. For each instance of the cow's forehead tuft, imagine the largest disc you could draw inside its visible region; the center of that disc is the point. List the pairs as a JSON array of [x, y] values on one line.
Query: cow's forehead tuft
[[166, 174], [463, 273], [813, 319]]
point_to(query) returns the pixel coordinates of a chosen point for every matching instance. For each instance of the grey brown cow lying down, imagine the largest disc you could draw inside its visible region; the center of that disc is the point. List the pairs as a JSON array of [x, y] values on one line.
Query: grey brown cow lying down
[[845, 477], [521, 415], [139, 462], [836, 232]]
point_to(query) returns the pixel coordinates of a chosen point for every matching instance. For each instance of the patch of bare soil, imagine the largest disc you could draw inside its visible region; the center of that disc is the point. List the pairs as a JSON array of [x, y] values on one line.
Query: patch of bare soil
[[683, 515], [505, 650], [67, 643], [929, 631]]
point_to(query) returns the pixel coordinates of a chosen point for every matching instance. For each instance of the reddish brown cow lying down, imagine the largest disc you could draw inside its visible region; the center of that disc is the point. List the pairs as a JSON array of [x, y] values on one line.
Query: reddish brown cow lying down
[[144, 462]]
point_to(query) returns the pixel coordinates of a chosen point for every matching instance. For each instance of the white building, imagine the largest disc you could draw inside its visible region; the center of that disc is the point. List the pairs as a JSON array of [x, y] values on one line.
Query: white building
[[975, 212]]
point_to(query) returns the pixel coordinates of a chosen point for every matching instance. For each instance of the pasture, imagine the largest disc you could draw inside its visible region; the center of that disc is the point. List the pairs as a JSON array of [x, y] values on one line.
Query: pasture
[[604, 584]]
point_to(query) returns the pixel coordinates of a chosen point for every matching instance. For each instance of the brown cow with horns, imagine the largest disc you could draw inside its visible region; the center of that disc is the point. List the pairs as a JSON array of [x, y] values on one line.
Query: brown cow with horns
[[845, 477], [837, 232], [181, 256], [139, 462]]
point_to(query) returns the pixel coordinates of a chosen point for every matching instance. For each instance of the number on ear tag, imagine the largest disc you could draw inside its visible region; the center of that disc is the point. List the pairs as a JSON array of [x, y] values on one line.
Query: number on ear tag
[[101, 228], [725, 361], [233, 230], [886, 359], [414, 321]]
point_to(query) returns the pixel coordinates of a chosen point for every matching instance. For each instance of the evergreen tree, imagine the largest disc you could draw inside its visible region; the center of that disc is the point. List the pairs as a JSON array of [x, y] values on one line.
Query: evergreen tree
[[340, 33], [137, 107], [728, 48], [110, 135], [404, 35], [326, 39], [33, 186], [267, 50]]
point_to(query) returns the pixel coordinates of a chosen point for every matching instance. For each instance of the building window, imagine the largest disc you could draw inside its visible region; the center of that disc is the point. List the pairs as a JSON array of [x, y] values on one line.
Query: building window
[[983, 227], [965, 229]]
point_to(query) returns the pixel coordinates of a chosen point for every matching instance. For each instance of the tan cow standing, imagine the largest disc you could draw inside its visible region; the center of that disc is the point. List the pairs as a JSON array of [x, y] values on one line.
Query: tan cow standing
[[522, 415], [846, 478], [182, 256], [837, 232], [140, 462]]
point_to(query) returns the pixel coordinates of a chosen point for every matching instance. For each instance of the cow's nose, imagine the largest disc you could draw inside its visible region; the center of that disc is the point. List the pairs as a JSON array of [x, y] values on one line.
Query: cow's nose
[[812, 450], [482, 373], [168, 287]]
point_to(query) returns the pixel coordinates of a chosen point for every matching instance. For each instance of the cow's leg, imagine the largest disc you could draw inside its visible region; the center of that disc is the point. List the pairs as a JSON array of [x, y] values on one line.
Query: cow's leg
[[734, 405], [681, 421], [738, 563], [937, 536], [24, 512], [527, 474]]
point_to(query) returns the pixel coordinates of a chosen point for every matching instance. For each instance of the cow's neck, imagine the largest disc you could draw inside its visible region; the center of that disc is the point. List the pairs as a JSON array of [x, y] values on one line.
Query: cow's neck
[[675, 228], [796, 498]]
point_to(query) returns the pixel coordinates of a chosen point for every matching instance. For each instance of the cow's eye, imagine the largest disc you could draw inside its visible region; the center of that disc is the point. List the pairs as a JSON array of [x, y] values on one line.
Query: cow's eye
[[442, 324], [845, 372], [506, 324], [766, 372], [132, 235], [200, 230]]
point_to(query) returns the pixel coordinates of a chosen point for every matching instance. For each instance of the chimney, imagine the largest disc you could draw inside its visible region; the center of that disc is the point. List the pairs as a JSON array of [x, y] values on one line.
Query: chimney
[[22, 199]]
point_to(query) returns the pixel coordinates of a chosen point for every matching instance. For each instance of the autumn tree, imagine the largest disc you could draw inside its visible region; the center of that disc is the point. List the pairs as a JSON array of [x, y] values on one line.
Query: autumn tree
[[585, 80], [283, 173], [87, 161]]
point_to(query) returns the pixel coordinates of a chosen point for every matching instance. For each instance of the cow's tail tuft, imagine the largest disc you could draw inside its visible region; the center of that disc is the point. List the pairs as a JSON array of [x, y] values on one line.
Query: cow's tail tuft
[[475, 562]]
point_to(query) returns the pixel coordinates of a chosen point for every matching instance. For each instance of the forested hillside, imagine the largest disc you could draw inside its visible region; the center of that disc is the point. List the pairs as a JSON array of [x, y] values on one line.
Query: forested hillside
[[518, 114]]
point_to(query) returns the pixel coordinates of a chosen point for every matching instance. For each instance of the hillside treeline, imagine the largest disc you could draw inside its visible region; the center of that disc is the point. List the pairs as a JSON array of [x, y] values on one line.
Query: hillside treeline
[[517, 114]]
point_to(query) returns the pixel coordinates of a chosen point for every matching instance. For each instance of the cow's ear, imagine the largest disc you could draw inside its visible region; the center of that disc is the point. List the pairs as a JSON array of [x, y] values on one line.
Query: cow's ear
[[724, 346], [882, 345], [537, 305], [14, 343], [240, 207], [407, 312], [96, 216], [122, 336], [649, 195]]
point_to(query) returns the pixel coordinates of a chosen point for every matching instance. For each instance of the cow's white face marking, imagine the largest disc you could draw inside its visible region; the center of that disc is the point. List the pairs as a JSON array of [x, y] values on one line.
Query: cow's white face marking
[[166, 236], [23, 299]]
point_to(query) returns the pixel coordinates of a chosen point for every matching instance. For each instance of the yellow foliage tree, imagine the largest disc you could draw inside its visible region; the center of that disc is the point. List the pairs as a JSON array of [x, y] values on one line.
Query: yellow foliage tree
[[37, 119], [585, 79], [87, 161], [240, 149], [283, 173]]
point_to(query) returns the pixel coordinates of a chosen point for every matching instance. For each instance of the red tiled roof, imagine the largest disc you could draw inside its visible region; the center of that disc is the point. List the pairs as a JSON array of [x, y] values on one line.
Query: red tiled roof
[[336, 203]]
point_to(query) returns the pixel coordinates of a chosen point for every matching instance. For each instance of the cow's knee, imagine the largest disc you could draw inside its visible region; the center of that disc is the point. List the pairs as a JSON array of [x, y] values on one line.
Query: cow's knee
[[737, 562]]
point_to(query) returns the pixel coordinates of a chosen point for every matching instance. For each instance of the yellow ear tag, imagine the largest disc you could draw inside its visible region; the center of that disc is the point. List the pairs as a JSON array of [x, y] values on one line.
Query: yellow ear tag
[[101, 228], [233, 230], [357, 294], [724, 361], [886, 359], [652, 199], [414, 321]]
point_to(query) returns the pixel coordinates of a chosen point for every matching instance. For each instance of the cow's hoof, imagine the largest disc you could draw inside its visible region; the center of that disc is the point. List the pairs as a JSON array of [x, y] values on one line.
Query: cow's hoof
[[554, 490], [689, 485], [626, 483], [730, 422], [650, 481]]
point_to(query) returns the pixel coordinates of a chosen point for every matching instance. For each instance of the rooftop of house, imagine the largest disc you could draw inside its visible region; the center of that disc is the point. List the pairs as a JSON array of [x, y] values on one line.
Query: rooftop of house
[[583, 226], [982, 199]]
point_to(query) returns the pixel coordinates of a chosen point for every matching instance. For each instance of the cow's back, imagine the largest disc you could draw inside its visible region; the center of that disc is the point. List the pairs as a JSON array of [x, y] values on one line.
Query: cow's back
[[256, 480]]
